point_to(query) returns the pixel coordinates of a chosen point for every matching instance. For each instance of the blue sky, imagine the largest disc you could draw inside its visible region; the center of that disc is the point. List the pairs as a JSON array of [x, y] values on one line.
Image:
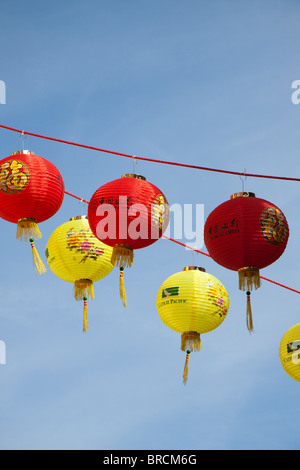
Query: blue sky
[[204, 83]]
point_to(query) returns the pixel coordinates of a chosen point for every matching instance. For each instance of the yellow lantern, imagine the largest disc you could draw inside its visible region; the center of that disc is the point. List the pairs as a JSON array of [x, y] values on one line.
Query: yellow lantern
[[289, 352], [192, 302], [75, 255]]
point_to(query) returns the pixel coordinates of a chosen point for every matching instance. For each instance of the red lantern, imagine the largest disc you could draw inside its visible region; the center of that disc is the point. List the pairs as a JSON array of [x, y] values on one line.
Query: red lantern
[[246, 234], [127, 214], [31, 191]]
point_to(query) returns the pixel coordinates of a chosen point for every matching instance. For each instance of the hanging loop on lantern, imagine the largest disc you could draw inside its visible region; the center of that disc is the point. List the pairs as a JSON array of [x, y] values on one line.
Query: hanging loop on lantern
[[193, 255], [22, 139], [134, 162], [194, 252], [243, 179], [82, 207]]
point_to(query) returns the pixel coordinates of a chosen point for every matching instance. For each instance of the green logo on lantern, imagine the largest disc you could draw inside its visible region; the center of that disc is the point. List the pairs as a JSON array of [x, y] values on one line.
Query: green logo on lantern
[[169, 291]]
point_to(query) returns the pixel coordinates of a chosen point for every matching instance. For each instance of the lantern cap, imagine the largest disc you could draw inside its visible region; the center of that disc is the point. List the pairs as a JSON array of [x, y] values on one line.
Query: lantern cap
[[78, 217], [194, 268], [23, 152], [133, 175], [242, 194]]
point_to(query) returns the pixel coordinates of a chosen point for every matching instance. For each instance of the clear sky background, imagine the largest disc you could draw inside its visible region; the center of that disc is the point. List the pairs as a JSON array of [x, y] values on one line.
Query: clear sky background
[[198, 82]]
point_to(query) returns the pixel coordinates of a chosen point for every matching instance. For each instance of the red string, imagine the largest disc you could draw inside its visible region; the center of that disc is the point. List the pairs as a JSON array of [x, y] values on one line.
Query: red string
[[83, 200], [160, 161], [186, 246], [206, 254], [151, 159], [201, 252], [281, 285]]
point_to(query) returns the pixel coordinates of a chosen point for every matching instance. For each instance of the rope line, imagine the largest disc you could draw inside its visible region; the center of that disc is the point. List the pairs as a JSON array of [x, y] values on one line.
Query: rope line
[[185, 165], [82, 200], [281, 285], [206, 254], [202, 252], [167, 163], [186, 246]]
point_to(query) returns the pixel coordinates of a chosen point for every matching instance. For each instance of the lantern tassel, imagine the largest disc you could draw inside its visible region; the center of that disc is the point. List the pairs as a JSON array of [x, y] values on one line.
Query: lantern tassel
[[27, 228], [249, 278], [122, 256], [85, 314], [122, 287], [249, 313], [186, 367], [37, 262], [190, 340], [83, 288]]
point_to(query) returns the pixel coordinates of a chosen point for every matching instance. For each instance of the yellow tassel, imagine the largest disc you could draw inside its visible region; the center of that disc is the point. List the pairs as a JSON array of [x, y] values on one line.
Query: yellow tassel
[[249, 278], [27, 228], [186, 367], [249, 313], [122, 256], [122, 287], [37, 262], [85, 315], [83, 288], [190, 340]]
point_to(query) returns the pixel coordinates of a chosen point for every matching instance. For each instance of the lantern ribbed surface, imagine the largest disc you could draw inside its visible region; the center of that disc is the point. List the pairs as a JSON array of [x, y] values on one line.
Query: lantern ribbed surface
[[31, 187], [289, 352], [74, 253], [246, 231], [192, 300], [141, 212]]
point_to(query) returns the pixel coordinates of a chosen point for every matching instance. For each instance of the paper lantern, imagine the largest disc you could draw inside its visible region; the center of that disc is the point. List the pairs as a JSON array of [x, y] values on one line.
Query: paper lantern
[[289, 352], [75, 255], [192, 302], [127, 214], [31, 191], [246, 234]]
